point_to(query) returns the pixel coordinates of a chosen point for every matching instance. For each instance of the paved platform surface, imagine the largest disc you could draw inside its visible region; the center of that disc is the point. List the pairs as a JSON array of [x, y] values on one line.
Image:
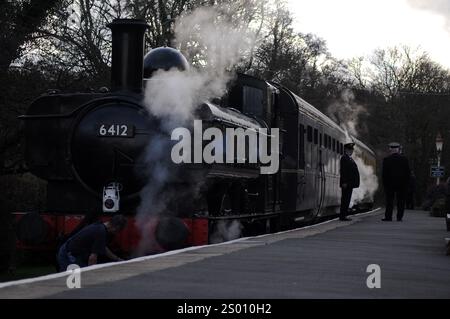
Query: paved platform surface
[[325, 261]]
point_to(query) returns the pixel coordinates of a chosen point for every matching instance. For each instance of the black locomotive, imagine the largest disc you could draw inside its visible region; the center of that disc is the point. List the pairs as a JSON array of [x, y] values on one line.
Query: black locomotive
[[90, 148]]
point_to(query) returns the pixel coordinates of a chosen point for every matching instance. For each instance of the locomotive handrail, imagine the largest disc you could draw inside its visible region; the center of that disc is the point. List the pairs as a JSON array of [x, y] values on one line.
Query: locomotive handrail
[[221, 120], [73, 112], [234, 110], [260, 121]]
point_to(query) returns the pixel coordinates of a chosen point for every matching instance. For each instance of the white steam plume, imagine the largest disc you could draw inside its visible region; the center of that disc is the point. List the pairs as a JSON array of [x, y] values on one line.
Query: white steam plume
[[368, 179], [368, 183], [215, 45], [346, 113], [154, 198], [226, 230]]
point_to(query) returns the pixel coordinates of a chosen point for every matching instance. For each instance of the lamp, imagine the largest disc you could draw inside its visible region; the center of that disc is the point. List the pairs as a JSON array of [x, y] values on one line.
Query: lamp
[[439, 143]]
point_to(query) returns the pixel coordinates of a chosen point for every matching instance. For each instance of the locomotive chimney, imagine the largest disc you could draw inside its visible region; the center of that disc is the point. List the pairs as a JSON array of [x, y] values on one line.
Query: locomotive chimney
[[127, 54]]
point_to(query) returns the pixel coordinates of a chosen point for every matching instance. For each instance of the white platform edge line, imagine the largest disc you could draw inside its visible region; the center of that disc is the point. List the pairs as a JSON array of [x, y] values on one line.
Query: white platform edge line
[[169, 253]]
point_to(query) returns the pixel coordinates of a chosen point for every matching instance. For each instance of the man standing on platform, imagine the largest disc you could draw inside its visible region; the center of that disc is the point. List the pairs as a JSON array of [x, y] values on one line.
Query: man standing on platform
[[396, 175], [349, 179]]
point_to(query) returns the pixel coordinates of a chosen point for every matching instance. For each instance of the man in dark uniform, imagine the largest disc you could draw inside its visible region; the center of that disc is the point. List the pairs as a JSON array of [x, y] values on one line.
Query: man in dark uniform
[[349, 179], [396, 175], [84, 248]]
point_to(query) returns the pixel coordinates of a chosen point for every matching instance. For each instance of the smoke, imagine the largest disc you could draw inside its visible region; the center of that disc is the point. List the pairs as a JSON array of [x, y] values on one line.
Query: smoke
[[440, 7], [213, 41], [226, 230], [346, 113], [154, 198], [368, 183], [368, 179], [173, 95], [214, 44]]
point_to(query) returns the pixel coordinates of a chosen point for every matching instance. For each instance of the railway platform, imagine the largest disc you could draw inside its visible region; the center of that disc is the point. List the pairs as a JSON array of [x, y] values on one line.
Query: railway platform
[[363, 258]]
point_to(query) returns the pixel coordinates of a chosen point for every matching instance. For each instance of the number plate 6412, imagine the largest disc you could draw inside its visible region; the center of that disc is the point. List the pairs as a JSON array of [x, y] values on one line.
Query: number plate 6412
[[115, 130]]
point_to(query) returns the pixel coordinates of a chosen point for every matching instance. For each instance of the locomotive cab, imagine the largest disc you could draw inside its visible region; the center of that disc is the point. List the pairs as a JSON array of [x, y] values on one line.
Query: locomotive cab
[[253, 97]]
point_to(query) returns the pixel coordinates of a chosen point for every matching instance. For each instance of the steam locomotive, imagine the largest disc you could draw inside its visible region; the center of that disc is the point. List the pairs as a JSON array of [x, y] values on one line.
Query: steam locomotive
[[90, 148]]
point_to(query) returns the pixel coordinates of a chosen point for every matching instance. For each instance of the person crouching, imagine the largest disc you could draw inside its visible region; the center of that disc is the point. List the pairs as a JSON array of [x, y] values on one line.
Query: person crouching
[[85, 247]]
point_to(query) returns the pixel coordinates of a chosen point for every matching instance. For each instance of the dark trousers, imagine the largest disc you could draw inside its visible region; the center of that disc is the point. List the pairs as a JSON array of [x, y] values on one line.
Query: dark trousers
[[399, 194], [65, 259], [345, 201]]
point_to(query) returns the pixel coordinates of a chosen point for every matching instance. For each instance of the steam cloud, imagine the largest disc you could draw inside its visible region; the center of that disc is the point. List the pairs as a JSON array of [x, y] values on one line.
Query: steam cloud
[[214, 45], [226, 230], [346, 112], [368, 183], [368, 179]]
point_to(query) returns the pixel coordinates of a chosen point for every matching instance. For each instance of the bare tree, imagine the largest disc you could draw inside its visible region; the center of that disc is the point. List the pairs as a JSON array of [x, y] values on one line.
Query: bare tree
[[416, 92], [18, 22], [77, 39], [293, 59]]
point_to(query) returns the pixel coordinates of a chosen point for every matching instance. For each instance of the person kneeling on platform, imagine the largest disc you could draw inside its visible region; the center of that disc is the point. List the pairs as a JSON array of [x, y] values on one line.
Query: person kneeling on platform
[[85, 247], [349, 179]]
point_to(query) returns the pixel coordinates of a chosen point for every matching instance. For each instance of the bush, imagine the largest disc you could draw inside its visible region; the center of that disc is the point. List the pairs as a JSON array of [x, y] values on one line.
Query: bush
[[22, 193], [438, 208]]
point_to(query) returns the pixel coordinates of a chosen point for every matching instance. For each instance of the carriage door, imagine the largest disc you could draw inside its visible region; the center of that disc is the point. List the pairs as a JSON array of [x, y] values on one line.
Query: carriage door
[[301, 171], [320, 170], [316, 169]]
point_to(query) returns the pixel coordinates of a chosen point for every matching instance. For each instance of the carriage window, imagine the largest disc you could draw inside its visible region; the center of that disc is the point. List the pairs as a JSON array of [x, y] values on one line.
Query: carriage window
[[325, 141], [341, 148], [320, 140], [252, 101], [316, 136], [329, 142], [334, 145], [309, 134]]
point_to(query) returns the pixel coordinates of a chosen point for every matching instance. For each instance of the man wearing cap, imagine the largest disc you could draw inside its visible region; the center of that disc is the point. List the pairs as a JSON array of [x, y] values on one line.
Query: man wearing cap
[[349, 179], [395, 174]]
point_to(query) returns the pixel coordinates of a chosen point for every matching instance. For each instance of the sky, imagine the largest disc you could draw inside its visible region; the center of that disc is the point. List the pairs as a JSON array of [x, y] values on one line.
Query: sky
[[354, 28]]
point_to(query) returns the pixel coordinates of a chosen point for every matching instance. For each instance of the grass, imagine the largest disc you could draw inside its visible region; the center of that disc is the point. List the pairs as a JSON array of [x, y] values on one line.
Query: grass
[[26, 271]]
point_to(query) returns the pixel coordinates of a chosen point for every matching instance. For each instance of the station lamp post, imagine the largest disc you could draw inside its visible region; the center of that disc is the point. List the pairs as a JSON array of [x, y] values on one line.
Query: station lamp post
[[439, 144]]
